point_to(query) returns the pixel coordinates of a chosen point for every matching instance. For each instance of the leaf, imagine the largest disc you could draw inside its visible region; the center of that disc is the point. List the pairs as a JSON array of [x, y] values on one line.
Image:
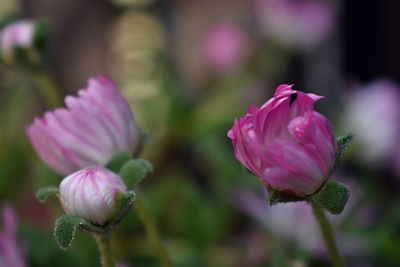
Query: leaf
[[44, 193], [134, 171], [65, 229], [275, 197], [119, 159], [333, 197]]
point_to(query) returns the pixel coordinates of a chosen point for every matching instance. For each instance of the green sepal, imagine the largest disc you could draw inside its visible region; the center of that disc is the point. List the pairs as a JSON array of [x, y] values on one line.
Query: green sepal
[[343, 142], [124, 203], [333, 197], [134, 171], [275, 197], [65, 229], [119, 159], [44, 193]]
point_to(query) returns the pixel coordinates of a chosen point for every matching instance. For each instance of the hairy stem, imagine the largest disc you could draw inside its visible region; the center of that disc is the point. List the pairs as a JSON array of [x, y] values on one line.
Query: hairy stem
[[152, 231], [327, 234], [104, 244], [48, 88]]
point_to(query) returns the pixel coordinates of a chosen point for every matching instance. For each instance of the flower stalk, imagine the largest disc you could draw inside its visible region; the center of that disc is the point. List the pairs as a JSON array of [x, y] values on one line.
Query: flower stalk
[[104, 245], [327, 234], [152, 232], [48, 89]]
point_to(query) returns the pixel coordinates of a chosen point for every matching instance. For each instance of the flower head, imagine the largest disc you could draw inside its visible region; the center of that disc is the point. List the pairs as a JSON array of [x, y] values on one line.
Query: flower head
[[94, 127], [91, 194], [17, 34], [224, 46], [286, 143]]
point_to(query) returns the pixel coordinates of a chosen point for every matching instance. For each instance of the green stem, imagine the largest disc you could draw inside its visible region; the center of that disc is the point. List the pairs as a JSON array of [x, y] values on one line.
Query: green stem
[[48, 89], [152, 232], [327, 234], [104, 244]]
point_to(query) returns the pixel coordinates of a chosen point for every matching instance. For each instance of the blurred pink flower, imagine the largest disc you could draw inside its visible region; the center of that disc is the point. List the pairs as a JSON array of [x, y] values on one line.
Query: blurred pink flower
[[17, 34], [372, 113], [296, 23], [224, 46], [90, 131], [91, 194], [286, 143], [11, 254]]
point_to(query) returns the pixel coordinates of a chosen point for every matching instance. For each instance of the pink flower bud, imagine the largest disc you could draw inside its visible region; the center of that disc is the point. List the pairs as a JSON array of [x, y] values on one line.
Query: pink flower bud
[[286, 143], [90, 131], [224, 46], [91, 194], [18, 34]]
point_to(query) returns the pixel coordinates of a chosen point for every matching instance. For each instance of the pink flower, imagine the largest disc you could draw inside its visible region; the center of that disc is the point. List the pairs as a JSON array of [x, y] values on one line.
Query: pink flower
[[90, 131], [18, 34], [224, 46], [286, 143], [10, 251], [298, 23], [91, 194]]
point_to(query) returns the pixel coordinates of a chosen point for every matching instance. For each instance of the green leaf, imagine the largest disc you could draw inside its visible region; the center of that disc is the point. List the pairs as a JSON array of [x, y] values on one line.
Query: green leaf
[[275, 197], [116, 163], [46, 192], [65, 229], [134, 171], [333, 197], [88, 227]]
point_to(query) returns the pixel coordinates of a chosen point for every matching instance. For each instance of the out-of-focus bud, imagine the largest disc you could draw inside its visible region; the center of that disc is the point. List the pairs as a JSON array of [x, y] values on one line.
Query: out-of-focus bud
[[224, 46], [372, 113], [94, 127], [286, 143], [22, 42], [11, 253], [92, 194], [295, 23]]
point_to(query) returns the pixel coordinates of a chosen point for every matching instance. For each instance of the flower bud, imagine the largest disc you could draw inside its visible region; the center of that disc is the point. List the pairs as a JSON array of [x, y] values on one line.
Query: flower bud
[[91, 194], [16, 39], [94, 127], [286, 143]]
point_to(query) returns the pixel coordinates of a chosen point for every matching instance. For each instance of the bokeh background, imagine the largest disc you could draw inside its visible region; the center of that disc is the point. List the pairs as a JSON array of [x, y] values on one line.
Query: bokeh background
[[188, 68]]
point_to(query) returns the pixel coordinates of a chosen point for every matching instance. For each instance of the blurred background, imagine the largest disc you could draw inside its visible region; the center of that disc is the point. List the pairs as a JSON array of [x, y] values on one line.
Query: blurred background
[[188, 68]]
